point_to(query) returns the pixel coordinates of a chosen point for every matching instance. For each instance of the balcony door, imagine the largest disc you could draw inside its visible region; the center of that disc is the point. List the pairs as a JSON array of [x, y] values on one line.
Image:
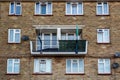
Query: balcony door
[[68, 36], [49, 40]]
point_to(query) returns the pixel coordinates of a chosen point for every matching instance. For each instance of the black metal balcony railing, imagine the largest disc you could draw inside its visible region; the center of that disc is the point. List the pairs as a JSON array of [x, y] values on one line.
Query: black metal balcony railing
[[59, 46]]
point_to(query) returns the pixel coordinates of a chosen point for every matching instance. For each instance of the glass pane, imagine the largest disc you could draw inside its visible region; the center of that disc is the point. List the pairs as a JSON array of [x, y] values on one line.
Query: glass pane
[[100, 37], [10, 63], [11, 35], [54, 39], [99, 9], [81, 66], [37, 11], [43, 9], [42, 66], [106, 36], [16, 68], [36, 65], [48, 66], [101, 60], [80, 8], [47, 41], [12, 8], [39, 43], [107, 66], [63, 36], [68, 8], [18, 10], [70, 36], [49, 8], [17, 37], [74, 8], [105, 8], [101, 68], [68, 67], [75, 67], [16, 60]]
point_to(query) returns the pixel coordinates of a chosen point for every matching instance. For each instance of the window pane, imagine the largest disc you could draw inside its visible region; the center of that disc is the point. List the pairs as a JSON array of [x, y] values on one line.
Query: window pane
[[43, 9], [16, 67], [12, 8], [106, 35], [80, 9], [70, 36], [75, 67], [39, 43], [36, 65], [42, 66], [48, 65], [100, 37], [10, 63], [18, 10], [107, 66], [37, 11], [101, 68], [81, 66], [68, 67], [11, 35], [54, 39], [49, 8], [74, 8], [68, 8], [17, 37], [99, 9], [47, 41], [63, 36], [105, 8]]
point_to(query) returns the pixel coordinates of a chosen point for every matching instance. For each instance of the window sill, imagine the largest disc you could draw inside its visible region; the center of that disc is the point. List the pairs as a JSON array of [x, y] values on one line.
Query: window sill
[[102, 14], [74, 15], [42, 74], [14, 15], [104, 43], [104, 73], [43, 15], [74, 73], [12, 73]]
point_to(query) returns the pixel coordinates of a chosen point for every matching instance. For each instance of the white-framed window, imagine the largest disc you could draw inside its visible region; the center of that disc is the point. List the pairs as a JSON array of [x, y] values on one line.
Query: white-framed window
[[74, 66], [104, 66], [13, 65], [14, 35], [74, 8], [103, 36], [43, 8], [102, 8], [42, 66], [15, 8]]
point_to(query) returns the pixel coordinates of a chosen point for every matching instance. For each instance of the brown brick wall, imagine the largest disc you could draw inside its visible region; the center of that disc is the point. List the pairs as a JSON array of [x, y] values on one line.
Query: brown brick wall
[[89, 19]]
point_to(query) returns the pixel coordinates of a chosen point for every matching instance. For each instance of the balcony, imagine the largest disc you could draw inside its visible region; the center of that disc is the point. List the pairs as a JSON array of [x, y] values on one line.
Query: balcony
[[58, 47]]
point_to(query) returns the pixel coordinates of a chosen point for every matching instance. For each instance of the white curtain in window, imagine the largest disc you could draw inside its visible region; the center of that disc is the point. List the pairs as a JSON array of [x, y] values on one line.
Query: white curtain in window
[[9, 68], [36, 65], [11, 35], [107, 66], [68, 8], [16, 67], [101, 67], [99, 37]]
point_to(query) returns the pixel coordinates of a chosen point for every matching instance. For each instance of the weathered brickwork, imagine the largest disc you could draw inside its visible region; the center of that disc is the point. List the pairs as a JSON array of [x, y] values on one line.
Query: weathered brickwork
[[91, 21]]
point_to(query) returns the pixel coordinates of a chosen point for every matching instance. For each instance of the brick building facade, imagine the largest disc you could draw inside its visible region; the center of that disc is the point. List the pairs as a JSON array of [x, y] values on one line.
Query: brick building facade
[[68, 40]]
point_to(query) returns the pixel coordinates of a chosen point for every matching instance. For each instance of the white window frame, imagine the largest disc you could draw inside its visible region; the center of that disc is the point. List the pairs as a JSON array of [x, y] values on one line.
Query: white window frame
[[102, 5], [38, 65], [72, 66], [71, 8], [104, 66], [13, 64], [15, 5], [14, 33], [102, 31], [46, 8]]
